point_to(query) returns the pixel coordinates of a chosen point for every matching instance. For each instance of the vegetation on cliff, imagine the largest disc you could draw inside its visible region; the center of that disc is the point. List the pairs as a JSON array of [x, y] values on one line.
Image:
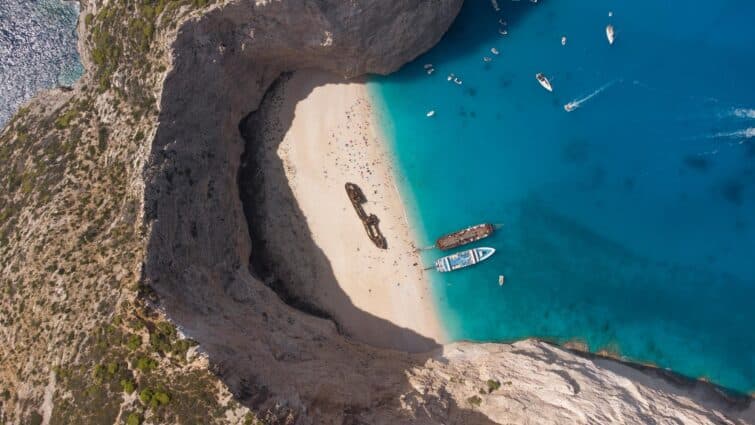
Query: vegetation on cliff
[[78, 342]]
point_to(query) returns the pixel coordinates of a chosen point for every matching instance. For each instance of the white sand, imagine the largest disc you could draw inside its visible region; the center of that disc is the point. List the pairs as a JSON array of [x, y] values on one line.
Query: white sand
[[334, 139]]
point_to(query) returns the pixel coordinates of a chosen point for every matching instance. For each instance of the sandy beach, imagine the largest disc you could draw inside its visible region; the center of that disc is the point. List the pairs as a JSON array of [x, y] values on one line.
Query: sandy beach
[[322, 134]]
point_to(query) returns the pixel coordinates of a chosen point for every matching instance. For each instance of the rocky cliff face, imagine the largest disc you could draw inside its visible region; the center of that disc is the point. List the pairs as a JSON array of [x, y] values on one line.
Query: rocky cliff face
[[198, 253], [179, 162]]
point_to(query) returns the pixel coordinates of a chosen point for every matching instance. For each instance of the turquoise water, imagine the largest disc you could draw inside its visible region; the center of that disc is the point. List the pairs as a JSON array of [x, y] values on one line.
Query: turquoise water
[[629, 223], [37, 49]]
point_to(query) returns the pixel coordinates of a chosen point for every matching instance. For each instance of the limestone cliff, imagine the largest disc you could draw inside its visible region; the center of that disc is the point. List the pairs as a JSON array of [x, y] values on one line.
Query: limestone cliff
[[122, 208]]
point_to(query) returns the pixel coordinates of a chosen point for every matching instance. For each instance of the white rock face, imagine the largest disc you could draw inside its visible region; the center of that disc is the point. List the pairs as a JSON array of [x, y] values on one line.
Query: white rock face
[[274, 356]]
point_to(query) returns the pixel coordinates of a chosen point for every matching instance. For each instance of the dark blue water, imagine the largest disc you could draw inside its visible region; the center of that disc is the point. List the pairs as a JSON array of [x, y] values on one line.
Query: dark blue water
[[629, 223], [37, 49]]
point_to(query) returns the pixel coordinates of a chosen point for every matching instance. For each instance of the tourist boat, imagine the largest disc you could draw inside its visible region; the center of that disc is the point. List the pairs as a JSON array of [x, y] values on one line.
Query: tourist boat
[[465, 236], [609, 33], [463, 259], [544, 81]]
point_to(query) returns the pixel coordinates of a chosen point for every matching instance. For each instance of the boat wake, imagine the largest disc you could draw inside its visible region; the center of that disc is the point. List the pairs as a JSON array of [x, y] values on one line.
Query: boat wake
[[746, 133], [574, 104]]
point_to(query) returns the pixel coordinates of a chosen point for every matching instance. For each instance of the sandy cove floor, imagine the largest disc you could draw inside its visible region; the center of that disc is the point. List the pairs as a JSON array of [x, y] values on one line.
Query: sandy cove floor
[[333, 139]]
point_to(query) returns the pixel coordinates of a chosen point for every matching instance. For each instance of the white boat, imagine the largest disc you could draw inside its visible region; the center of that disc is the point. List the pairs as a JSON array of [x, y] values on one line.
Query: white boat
[[494, 51], [563, 41], [457, 81], [502, 31], [428, 65], [570, 106], [463, 259], [487, 59], [430, 113], [501, 279], [610, 33], [544, 81]]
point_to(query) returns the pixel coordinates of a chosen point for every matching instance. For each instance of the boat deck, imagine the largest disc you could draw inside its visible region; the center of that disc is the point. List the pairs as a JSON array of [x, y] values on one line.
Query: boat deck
[[465, 236]]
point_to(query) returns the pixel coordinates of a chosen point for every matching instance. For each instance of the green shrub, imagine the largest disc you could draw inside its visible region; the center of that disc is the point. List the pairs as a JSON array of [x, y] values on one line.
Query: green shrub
[[145, 364], [493, 385], [161, 398], [145, 395], [64, 120], [102, 134], [98, 372], [128, 386], [133, 419], [134, 342], [474, 400]]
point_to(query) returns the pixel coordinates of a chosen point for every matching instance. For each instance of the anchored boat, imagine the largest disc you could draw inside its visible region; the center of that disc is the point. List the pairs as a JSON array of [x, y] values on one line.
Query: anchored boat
[[610, 33], [463, 259], [465, 236], [543, 80]]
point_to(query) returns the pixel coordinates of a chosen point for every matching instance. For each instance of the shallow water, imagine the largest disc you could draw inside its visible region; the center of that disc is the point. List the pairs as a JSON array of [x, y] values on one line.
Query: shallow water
[[629, 223], [37, 49]]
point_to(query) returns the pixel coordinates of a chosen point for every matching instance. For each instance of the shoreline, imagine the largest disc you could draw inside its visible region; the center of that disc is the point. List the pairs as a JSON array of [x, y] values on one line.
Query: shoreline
[[314, 133]]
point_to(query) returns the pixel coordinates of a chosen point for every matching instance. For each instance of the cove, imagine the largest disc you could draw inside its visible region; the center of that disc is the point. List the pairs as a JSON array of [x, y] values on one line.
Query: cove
[[629, 222]]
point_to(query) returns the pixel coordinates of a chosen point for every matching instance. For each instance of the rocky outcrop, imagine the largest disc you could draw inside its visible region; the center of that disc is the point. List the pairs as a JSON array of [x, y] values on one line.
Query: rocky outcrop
[[273, 355]]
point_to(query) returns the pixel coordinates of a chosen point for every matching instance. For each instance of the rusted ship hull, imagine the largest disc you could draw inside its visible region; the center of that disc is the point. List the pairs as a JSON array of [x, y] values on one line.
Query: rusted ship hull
[[465, 236]]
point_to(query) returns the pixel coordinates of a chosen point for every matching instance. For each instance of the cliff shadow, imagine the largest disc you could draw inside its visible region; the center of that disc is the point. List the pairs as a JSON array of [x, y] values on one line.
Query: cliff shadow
[[478, 25], [284, 254]]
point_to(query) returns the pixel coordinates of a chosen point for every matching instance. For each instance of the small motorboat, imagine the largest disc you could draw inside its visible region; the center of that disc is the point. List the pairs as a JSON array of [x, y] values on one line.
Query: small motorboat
[[563, 40], [610, 33], [544, 81], [450, 77], [463, 259], [570, 106], [501, 280], [503, 31], [428, 65], [487, 59], [430, 71], [494, 51], [457, 81], [430, 113]]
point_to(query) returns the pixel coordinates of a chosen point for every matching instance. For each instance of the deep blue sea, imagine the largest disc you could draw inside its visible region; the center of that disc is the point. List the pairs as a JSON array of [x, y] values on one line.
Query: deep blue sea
[[37, 49], [628, 223]]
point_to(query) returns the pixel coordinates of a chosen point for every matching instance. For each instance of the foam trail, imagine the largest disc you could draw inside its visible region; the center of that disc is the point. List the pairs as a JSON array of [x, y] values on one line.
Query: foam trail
[[574, 104], [746, 133]]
